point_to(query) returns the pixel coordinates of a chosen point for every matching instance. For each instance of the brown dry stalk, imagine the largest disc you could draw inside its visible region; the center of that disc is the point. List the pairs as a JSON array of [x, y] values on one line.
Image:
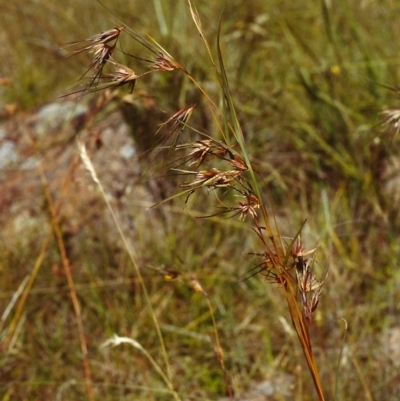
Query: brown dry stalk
[[71, 285], [279, 270]]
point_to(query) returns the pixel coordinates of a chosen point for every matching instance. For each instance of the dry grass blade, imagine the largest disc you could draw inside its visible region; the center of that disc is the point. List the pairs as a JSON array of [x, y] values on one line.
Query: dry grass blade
[[90, 168], [8, 339], [197, 21], [117, 340]]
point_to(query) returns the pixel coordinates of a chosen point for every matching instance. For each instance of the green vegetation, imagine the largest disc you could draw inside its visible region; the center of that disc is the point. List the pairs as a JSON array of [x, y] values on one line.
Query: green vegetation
[[311, 85]]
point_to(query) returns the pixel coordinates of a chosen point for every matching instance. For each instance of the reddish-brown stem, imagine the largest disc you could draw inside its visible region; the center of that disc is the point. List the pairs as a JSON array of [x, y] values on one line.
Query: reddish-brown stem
[[71, 285]]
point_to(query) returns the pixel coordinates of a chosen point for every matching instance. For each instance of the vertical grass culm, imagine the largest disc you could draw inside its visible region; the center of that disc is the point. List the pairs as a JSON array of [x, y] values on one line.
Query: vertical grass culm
[[215, 161]]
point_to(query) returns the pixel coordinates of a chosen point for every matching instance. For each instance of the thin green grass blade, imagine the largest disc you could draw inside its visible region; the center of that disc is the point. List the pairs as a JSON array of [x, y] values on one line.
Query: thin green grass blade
[[233, 125], [346, 164]]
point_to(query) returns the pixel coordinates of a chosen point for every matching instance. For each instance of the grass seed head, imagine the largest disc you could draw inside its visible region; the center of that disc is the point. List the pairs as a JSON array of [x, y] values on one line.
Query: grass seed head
[[106, 36], [94, 41], [181, 116], [206, 149], [249, 206], [200, 151], [195, 283], [102, 53], [214, 178], [162, 63], [123, 76], [392, 120], [238, 163], [178, 122]]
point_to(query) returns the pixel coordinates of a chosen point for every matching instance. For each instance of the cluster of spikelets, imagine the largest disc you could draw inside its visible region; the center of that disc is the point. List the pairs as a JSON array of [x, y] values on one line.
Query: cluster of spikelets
[[102, 47], [211, 164]]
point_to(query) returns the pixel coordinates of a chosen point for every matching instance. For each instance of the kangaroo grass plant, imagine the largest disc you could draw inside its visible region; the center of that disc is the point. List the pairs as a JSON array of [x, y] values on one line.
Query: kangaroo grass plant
[[216, 162]]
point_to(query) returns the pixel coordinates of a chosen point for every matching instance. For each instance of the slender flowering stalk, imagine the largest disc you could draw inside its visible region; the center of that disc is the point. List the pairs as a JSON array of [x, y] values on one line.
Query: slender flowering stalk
[[226, 168]]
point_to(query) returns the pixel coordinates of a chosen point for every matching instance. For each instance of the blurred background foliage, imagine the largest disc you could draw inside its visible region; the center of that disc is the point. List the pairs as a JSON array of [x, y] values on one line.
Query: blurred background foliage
[[310, 81]]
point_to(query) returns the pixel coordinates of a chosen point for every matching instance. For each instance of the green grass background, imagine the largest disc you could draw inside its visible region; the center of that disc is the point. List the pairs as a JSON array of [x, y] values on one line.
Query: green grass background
[[308, 79]]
